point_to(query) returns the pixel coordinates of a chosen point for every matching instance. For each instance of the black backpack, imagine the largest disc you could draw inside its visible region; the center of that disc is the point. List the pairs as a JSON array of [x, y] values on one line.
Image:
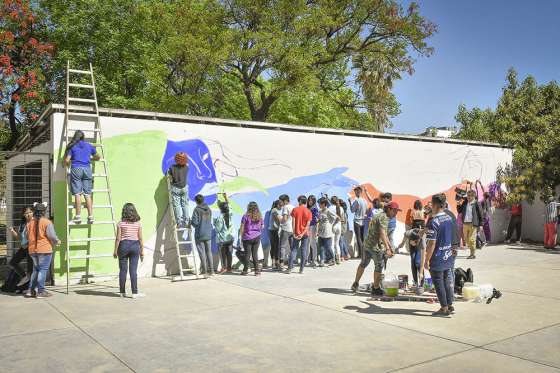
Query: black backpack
[[10, 285], [462, 276]]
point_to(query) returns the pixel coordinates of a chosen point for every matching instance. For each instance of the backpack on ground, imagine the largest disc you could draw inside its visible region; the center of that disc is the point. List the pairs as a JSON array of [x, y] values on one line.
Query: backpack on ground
[[462, 276], [10, 285]]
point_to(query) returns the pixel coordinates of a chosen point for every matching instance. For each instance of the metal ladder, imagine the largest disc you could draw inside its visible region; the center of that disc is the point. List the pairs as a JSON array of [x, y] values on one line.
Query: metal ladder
[[180, 243], [82, 113]]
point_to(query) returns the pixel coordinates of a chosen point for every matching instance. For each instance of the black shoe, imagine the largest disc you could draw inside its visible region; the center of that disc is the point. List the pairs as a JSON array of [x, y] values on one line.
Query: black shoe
[[354, 287], [377, 292]]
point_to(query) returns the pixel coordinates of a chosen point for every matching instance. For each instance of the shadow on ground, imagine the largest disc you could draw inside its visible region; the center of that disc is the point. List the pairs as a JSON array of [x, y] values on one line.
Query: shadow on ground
[[374, 309], [536, 248], [98, 293]]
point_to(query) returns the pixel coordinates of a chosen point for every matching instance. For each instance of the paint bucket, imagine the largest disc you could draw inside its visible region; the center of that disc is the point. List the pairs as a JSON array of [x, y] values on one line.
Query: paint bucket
[[403, 282], [470, 291]]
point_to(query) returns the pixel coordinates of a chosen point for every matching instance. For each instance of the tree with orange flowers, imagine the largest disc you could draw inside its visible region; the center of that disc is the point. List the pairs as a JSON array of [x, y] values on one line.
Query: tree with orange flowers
[[23, 59]]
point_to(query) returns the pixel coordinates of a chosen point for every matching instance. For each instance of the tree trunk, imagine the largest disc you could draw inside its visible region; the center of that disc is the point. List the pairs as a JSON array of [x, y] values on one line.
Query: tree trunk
[[14, 134]]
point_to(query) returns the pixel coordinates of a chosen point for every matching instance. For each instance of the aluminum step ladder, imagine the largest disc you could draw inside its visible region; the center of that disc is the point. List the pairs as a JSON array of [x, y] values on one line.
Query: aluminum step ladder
[[184, 238], [82, 113]]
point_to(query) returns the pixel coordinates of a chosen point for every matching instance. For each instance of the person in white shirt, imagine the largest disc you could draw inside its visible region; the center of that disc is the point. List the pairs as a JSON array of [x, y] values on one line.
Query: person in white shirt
[[358, 207], [286, 230]]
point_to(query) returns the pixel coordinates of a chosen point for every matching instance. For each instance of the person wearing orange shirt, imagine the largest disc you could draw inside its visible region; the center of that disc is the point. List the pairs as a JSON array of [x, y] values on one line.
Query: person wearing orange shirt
[[301, 218], [41, 238]]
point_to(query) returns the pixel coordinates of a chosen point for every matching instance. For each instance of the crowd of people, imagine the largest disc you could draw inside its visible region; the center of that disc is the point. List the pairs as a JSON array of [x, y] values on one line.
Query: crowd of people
[[313, 233]]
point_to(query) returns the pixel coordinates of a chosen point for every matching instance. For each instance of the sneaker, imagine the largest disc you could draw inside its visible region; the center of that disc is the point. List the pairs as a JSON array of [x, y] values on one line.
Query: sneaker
[[451, 309], [138, 295], [23, 281], [288, 271], [122, 295], [244, 273], [321, 264], [518, 242], [44, 294], [301, 271], [354, 287], [377, 292], [90, 219], [441, 313], [471, 257], [30, 294], [77, 219]]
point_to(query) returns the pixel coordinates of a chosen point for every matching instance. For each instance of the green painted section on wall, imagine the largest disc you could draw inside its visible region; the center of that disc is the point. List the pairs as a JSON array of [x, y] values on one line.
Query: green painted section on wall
[[134, 162]]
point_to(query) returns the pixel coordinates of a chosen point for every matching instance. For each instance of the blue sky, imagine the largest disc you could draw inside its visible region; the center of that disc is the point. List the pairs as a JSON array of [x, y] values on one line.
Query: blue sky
[[477, 41]]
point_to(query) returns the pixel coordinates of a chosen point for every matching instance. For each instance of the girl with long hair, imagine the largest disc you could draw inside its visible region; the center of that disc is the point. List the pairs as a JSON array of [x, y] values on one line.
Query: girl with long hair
[[129, 247], [251, 227], [273, 227], [41, 237], [418, 215]]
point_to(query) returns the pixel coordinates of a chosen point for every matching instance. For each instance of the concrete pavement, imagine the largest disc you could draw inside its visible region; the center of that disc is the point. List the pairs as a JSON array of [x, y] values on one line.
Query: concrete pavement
[[292, 323]]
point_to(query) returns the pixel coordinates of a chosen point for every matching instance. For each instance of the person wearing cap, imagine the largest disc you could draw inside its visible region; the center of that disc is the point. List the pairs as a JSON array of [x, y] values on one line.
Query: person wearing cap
[[439, 254], [377, 247], [417, 250], [359, 208], [178, 177]]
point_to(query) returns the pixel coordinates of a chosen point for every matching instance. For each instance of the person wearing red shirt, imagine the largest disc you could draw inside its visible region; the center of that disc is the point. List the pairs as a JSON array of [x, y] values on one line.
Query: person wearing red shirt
[[301, 218], [515, 222]]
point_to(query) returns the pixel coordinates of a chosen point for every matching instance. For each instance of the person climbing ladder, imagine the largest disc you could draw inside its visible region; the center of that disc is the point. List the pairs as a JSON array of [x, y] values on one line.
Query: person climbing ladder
[[178, 174], [78, 156]]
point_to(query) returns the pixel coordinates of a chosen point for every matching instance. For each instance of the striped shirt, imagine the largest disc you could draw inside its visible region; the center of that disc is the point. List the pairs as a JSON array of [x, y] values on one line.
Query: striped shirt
[[129, 230], [551, 212]]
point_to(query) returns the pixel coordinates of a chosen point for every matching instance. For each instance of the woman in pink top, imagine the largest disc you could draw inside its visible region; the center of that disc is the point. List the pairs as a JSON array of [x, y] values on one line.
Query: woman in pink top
[[251, 227], [129, 247]]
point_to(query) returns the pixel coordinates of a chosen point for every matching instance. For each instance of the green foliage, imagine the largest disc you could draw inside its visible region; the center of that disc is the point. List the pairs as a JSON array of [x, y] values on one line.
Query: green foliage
[[24, 57], [526, 118], [323, 62]]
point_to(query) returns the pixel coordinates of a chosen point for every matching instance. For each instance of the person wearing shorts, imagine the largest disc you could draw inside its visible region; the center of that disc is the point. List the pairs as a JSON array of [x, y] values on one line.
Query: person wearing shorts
[[377, 247], [78, 156]]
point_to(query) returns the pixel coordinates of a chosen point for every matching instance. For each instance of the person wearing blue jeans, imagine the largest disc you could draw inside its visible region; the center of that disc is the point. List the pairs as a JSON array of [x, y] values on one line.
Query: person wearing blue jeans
[[179, 188], [301, 221], [129, 246], [440, 258], [442, 281], [325, 249], [78, 156], [41, 238], [129, 254], [299, 244], [41, 265]]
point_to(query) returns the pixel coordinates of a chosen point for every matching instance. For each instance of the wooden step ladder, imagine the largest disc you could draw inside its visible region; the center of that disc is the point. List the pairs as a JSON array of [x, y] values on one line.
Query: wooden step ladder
[[181, 243], [82, 113]]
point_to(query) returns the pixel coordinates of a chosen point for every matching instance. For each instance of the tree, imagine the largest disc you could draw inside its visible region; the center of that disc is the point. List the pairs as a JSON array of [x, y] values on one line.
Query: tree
[[310, 44], [243, 59], [526, 118], [23, 59]]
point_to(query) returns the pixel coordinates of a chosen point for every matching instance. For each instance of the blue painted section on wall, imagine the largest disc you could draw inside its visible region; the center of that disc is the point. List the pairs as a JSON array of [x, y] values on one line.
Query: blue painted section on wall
[[202, 175]]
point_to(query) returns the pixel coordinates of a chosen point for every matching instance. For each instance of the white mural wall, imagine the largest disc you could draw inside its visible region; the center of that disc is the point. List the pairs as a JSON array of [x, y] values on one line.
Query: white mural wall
[[257, 164]]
